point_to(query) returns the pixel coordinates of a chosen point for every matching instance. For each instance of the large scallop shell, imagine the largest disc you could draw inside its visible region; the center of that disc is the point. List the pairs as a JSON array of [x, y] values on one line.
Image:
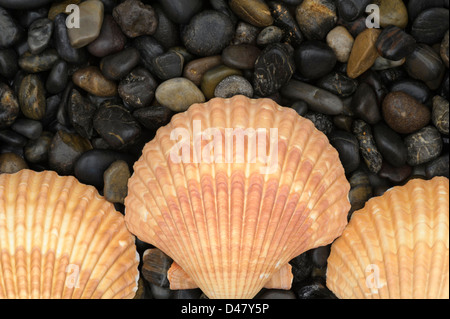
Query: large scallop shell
[[228, 221], [396, 246], [61, 239]]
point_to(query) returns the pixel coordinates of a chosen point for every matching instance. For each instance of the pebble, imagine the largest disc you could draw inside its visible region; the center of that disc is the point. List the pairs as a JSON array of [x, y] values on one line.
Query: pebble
[[213, 77], [62, 42], [195, 69], [31, 129], [438, 167], [110, 40], [35, 63], [91, 20], [431, 25], [64, 150], [116, 126], [155, 267], [440, 114], [233, 85], [301, 267], [444, 49], [396, 175], [277, 294], [12, 138], [404, 114], [93, 81], [364, 53], [319, 100], [153, 117], [208, 33], [273, 69], [80, 112], [341, 42], [9, 109], [314, 290], [60, 7], [286, 21], [343, 122], [32, 97], [424, 64], [365, 104], [11, 31], [322, 122], [181, 11], [23, 4], [255, 12], [116, 182], [423, 146], [241, 56], [8, 63], [392, 12], [367, 145], [11, 163], [417, 6], [390, 145], [118, 65], [384, 64], [178, 94], [314, 59], [135, 18], [338, 83], [395, 44], [320, 256], [416, 89], [316, 18], [168, 65], [137, 89], [58, 77], [360, 190], [347, 146], [245, 33], [350, 10], [269, 35], [39, 35], [149, 49], [91, 165], [36, 150], [186, 294]]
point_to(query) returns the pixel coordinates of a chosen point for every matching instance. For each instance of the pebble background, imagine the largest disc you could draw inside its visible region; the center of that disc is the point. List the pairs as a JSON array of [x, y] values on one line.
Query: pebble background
[[84, 101]]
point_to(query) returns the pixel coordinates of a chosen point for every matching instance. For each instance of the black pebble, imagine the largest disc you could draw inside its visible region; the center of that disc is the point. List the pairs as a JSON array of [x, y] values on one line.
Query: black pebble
[[314, 59], [390, 145], [347, 146]]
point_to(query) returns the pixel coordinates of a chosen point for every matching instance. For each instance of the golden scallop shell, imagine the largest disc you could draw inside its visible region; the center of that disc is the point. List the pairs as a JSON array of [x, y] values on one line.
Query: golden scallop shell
[[231, 220], [396, 246], [61, 239]]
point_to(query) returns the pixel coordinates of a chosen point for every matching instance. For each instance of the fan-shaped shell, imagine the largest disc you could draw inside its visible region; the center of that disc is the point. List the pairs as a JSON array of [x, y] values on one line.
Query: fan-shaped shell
[[61, 239], [396, 246], [231, 224]]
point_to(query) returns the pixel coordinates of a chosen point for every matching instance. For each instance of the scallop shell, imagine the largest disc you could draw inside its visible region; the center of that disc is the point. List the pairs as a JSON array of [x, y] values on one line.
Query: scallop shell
[[396, 246], [233, 220], [61, 239]]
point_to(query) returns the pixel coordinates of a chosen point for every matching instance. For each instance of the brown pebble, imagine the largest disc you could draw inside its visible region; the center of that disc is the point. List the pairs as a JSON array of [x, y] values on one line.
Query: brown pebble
[[93, 81], [364, 53], [255, 12], [195, 69], [116, 182], [404, 114], [11, 163]]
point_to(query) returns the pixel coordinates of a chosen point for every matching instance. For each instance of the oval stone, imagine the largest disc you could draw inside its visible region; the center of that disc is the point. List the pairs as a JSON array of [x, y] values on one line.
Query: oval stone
[[32, 97], [316, 18], [365, 104], [90, 23], [347, 146], [392, 12], [367, 145], [138, 88], [390, 145], [423, 146], [394, 43], [135, 18], [213, 77], [255, 12], [9, 109], [341, 42], [233, 85], [195, 69], [241, 56], [110, 40], [424, 64], [440, 114], [178, 94], [364, 53], [93, 81], [431, 25]]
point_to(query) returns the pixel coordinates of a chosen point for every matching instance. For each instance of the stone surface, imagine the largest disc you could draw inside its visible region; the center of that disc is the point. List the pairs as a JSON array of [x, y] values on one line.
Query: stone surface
[[116, 182], [284, 19], [431, 25], [360, 190], [9, 109], [444, 49], [404, 114], [64, 150], [392, 12], [316, 18], [348, 148], [440, 114], [365, 104], [341, 42], [35, 63], [178, 94], [32, 97], [39, 35], [416, 89], [8, 63], [322, 122], [269, 35], [233, 85], [11, 31], [424, 64], [255, 12], [208, 33], [367, 145], [58, 77], [364, 53], [81, 111], [423, 146], [62, 42], [314, 59], [273, 69], [241, 56], [136, 18], [118, 65], [153, 117], [91, 20], [350, 10], [116, 126], [195, 69], [168, 65], [167, 32], [110, 40], [36, 150], [11, 163], [181, 11], [390, 145], [31, 129], [245, 33], [319, 100], [395, 44], [93, 81], [138, 88], [155, 267], [213, 77], [438, 167], [338, 83], [396, 175]]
